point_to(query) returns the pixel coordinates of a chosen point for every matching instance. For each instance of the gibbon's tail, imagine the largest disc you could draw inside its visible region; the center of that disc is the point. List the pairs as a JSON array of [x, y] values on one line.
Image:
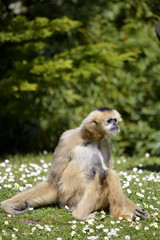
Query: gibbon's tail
[[40, 195]]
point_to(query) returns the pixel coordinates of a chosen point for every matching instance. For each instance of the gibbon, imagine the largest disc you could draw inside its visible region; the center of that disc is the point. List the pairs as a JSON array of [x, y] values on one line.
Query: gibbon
[[81, 174]]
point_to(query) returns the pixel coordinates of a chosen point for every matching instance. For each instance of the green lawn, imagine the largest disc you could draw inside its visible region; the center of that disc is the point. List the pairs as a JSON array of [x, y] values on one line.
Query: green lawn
[[140, 180]]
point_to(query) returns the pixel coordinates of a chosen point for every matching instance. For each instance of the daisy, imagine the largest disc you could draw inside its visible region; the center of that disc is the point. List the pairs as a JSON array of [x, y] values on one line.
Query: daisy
[[137, 227], [146, 228], [127, 237]]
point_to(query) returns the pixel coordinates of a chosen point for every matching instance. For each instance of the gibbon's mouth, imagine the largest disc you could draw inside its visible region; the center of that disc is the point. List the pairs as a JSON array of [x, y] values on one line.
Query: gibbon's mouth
[[115, 129]]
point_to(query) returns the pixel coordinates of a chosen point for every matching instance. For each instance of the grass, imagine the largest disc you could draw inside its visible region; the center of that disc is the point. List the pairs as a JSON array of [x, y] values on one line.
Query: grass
[[140, 180]]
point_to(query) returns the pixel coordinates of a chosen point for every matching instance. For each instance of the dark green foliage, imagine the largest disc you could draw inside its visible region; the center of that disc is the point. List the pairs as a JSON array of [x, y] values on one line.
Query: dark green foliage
[[62, 59]]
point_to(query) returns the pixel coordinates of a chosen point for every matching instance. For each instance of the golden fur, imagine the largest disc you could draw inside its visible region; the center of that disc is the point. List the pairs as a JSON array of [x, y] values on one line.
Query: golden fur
[[71, 180]]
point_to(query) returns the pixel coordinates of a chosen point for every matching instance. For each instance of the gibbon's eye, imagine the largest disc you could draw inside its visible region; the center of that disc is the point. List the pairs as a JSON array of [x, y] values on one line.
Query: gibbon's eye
[[109, 120], [112, 120]]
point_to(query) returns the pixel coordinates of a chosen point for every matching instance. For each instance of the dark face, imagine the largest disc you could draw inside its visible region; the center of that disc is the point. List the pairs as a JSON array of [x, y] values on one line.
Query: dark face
[[111, 126]]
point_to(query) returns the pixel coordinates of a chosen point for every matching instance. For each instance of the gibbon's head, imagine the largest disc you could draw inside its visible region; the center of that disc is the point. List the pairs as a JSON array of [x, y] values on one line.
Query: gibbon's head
[[101, 123]]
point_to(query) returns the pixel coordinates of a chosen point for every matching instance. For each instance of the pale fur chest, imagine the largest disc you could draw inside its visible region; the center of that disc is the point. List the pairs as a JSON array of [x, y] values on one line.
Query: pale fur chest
[[82, 156]]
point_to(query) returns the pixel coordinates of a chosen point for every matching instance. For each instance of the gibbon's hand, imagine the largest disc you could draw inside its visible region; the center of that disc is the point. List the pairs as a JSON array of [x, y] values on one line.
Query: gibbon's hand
[[141, 213]]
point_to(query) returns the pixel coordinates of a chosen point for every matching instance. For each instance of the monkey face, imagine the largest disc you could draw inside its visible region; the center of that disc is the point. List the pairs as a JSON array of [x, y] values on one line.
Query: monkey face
[[111, 126], [101, 123]]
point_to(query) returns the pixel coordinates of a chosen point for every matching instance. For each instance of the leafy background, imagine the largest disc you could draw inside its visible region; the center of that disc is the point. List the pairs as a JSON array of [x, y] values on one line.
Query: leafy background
[[61, 59]]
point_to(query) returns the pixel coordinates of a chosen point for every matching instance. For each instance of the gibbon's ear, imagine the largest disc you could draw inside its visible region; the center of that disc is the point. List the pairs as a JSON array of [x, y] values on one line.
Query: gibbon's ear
[[120, 119], [95, 122]]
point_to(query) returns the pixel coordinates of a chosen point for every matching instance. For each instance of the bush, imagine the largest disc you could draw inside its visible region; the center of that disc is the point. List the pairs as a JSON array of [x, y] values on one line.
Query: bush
[[55, 70]]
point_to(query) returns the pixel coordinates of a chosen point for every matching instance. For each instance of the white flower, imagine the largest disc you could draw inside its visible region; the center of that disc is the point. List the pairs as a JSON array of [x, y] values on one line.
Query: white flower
[[147, 155], [90, 221], [21, 188], [74, 226], [155, 225], [15, 229], [73, 233], [14, 236], [74, 221], [137, 227], [48, 229], [8, 169], [127, 237], [106, 238], [101, 226], [155, 214], [129, 191], [112, 222], [16, 185], [45, 165], [66, 207], [45, 152], [113, 232], [3, 164], [129, 220], [6, 222], [146, 228], [81, 222], [135, 169], [151, 206]]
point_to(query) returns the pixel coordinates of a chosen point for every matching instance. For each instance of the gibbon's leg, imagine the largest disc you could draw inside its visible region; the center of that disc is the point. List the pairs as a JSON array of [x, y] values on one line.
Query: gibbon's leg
[[89, 199], [120, 206], [41, 194]]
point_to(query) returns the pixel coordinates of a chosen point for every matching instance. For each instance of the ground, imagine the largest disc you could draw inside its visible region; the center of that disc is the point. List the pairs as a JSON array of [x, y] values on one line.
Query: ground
[[140, 179]]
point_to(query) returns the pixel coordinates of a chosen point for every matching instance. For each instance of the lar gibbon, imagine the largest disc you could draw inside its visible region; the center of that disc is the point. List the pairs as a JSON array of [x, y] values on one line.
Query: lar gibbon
[[81, 174]]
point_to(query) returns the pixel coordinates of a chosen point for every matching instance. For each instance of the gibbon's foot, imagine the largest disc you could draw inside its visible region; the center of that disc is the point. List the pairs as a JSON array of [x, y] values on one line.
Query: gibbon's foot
[[82, 217], [91, 216], [19, 211], [141, 213]]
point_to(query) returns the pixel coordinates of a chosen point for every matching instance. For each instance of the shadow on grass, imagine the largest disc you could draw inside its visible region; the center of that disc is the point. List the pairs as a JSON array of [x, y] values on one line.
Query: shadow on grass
[[151, 167]]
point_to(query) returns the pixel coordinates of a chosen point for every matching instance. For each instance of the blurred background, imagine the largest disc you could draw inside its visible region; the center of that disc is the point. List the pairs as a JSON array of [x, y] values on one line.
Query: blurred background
[[59, 60]]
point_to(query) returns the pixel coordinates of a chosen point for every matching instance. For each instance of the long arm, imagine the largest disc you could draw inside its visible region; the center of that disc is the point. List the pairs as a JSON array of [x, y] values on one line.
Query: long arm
[[106, 153]]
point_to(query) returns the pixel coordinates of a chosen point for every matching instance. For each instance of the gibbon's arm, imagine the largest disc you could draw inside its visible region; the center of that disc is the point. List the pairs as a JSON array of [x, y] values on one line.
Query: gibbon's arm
[[96, 167], [106, 153], [63, 153]]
